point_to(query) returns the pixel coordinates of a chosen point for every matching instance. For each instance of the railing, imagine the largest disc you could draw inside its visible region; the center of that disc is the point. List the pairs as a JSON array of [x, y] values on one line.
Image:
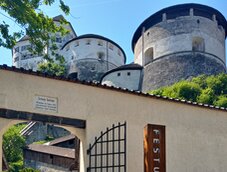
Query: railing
[[108, 152]]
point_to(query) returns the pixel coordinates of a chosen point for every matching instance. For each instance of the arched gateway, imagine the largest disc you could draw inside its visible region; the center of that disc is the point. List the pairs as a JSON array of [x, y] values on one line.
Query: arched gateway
[[154, 134]]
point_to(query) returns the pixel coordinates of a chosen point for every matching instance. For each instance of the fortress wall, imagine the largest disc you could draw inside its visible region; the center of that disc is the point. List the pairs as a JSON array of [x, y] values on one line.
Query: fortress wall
[[173, 68], [177, 35]]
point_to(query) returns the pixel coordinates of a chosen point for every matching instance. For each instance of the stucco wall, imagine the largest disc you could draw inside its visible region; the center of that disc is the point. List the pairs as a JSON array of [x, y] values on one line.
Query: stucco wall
[[176, 35], [87, 48], [124, 78], [195, 137]]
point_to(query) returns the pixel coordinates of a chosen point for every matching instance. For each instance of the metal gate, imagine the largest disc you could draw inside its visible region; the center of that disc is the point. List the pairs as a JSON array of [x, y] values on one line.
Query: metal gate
[[108, 152]]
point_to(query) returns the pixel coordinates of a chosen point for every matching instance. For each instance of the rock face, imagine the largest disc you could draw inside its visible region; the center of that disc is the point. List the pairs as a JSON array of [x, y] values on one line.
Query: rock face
[[173, 68]]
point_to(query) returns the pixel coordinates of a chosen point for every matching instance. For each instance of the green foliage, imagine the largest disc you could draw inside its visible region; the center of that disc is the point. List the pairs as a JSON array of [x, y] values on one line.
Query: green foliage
[[15, 166], [27, 14], [181, 90], [12, 146], [207, 96], [49, 66], [13, 142], [203, 89], [221, 101], [28, 170]]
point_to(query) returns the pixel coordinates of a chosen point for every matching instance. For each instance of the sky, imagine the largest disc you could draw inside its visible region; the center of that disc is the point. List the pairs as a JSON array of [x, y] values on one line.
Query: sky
[[114, 19]]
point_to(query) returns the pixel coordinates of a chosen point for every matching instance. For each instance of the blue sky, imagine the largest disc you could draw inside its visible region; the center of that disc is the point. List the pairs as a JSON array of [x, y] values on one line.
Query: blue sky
[[114, 19]]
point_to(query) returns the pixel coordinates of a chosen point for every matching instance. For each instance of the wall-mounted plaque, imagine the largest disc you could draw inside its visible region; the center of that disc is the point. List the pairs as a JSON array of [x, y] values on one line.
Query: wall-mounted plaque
[[154, 148], [44, 103]]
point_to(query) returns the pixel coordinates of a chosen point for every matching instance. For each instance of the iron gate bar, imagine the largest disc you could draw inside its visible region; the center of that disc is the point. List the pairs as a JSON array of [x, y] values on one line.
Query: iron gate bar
[[97, 152]]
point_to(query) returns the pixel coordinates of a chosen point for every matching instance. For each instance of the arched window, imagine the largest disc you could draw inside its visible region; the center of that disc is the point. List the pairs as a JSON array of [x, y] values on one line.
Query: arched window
[[198, 44], [149, 55]]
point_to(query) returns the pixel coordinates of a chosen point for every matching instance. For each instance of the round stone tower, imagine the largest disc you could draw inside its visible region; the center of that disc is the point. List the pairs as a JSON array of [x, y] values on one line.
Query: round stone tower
[[90, 56], [180, 42]]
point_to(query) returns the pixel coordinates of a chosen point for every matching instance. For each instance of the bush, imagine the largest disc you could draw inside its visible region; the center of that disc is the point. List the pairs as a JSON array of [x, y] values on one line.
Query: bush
[[207, 96], [13, 143], [221, 101], [203, 89]]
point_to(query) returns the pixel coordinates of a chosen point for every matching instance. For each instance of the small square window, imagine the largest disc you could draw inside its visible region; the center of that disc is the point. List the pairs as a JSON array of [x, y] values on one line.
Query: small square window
[[118, 74], [100, 43], [77, 44], [119, 52], [128, 73], [111, 46], [88, 42]]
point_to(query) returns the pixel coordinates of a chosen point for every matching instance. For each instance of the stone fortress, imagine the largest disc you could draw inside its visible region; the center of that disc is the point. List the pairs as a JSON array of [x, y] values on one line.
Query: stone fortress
[[175, 43]]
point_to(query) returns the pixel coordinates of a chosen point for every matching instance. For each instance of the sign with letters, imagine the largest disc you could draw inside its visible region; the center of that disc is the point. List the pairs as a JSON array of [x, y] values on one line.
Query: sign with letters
[[44, 103], [154, 148]]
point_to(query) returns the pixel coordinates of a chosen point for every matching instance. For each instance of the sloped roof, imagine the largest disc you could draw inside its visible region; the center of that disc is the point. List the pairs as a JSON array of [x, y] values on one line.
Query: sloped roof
[[62, 139], [52, 150], [99, 85], [58, 18], [24, 38]]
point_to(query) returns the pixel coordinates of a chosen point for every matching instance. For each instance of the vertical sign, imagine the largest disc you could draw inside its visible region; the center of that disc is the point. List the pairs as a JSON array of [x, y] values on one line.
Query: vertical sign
[[154, 148]]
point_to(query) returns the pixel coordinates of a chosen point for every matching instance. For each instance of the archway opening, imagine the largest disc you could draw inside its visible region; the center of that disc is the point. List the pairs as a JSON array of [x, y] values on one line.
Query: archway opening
[[149, 55], [40, 147], [198, 44]]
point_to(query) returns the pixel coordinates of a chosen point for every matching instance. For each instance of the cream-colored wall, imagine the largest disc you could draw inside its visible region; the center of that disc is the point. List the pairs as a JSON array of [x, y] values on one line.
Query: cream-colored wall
[[131, 82], [79, 49], [176, 35], [196, 138]]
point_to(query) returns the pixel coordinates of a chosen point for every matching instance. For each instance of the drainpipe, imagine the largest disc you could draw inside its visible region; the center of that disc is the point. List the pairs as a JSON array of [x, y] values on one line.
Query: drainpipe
[[143, 30]]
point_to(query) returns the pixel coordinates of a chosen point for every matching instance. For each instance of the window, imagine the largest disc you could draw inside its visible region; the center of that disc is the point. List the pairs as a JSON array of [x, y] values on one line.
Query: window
[[149, 55], [67, 48], [198, 44], [25, 47], [16, 59], [119, 52], [58, 39], [118, 74], [100, 43], [111, 46], [17, 49], [128, 73], [77, 44], [88, 42], [101, 55]]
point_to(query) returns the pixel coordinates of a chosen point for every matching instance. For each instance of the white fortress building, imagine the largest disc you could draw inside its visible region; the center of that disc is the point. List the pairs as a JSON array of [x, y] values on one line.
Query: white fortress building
[[22, 57], [175, 43]]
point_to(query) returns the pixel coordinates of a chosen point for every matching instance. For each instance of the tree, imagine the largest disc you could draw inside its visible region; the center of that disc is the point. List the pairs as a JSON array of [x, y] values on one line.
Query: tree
[[203, 89], [27, 14], [12, 146], [38, 27]]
